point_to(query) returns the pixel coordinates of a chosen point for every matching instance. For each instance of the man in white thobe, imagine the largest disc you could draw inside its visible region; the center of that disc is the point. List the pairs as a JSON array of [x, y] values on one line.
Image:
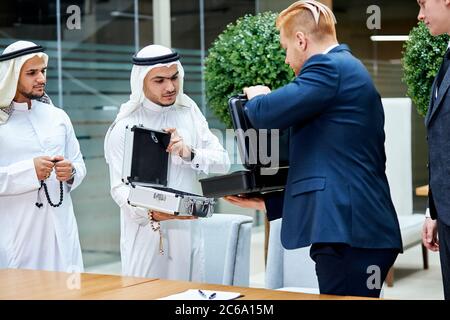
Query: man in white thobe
[[155, 244], [40, 164]]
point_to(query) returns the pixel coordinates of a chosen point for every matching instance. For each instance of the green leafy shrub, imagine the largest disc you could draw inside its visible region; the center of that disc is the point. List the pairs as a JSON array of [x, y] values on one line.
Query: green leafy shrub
[[422, 57], [246, 53]]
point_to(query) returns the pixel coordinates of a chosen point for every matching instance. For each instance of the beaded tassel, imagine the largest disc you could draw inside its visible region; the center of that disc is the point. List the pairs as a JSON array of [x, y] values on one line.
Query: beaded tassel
[[161, 248], [158, 228], [61, 195]]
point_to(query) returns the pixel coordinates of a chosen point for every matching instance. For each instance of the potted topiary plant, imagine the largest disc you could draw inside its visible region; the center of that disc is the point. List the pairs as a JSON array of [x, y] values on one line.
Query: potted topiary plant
[[422, 57], [246, 53]]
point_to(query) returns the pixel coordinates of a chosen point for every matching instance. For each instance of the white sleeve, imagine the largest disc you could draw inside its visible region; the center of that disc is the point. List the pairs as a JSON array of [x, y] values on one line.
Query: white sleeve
[[119, 190], [73, 153], [210, 156], [18, 178]]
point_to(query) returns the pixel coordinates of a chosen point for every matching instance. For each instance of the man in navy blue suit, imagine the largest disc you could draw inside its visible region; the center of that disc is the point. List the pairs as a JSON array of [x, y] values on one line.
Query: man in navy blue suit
[[436, 230], [337, 195]]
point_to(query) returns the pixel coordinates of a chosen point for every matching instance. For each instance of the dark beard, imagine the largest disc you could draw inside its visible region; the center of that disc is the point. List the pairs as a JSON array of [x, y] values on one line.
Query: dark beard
[[32, 96], [166, 105]]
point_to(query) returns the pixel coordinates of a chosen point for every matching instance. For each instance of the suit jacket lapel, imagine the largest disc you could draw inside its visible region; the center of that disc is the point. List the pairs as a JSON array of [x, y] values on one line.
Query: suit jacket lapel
[[430, 105], [441, 93]]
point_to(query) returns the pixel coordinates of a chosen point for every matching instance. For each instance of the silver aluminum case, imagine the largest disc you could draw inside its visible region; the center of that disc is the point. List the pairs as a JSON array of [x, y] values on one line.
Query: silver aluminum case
[[170, 202], [153, 196]]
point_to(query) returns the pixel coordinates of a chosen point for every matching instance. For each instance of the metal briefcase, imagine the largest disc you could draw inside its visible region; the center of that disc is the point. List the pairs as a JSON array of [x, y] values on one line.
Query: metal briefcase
[[145, 169]]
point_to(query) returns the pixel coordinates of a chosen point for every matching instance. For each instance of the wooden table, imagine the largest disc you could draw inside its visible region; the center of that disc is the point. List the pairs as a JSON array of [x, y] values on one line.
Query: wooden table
[[30, 284], [163, 288], [422, 191]]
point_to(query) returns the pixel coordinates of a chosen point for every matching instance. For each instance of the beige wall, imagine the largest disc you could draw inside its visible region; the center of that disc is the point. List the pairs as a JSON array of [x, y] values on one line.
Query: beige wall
[[329, 3]]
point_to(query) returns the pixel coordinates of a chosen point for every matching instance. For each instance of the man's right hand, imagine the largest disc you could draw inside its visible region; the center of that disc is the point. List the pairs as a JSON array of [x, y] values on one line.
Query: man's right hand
[[430, 235], [248, 203], [43, 166], [161, 216]]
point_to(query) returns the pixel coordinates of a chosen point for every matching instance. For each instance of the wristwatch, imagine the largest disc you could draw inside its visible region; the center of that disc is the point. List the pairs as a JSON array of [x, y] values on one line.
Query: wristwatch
[[192, 153]]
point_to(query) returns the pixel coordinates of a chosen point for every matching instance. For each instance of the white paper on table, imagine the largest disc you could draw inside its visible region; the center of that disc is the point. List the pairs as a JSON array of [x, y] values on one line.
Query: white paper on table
[[194, 294]]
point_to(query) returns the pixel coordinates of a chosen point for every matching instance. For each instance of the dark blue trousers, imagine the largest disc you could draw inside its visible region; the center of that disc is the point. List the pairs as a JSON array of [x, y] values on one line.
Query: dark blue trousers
[[347, 271], [444, 254]]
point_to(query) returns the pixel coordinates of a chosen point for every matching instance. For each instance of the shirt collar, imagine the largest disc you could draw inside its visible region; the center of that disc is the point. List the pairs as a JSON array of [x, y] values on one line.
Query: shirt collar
[[330, 48], [20, 106]]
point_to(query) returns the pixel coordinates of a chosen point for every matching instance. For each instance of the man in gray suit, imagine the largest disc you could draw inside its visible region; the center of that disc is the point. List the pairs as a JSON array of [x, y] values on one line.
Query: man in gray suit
[[436, 15]]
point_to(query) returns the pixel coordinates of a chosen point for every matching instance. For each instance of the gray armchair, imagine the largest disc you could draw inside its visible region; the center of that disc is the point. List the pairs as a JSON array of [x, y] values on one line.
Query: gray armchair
[[399, 173], [227, 249], [291, 270]]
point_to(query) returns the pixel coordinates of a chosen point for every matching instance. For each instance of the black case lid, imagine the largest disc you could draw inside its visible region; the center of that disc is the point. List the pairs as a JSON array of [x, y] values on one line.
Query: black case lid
[[150, 160], [250, 152]]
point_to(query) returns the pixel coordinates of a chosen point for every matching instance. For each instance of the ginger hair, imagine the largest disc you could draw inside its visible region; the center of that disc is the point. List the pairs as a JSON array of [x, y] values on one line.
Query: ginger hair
[[310, 17]]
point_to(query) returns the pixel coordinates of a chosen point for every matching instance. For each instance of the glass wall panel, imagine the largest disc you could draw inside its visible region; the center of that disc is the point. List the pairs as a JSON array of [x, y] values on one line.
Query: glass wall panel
[[96, 70], [145, 23]]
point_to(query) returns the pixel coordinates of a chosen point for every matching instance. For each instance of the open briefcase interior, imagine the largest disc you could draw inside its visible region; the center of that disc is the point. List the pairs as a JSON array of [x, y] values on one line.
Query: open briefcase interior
[[146, 169], [259, 176]]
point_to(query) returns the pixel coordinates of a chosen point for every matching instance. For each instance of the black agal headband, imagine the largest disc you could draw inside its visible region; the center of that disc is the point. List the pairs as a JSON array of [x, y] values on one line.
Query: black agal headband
[[21, 52], [155, 60]]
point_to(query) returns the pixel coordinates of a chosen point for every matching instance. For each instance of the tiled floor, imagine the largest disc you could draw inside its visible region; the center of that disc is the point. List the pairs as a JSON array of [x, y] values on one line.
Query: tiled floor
[[411, 281]]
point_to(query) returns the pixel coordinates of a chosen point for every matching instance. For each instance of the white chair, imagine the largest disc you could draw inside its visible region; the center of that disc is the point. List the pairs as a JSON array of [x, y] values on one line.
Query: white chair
[[227, 249], [399, 173]]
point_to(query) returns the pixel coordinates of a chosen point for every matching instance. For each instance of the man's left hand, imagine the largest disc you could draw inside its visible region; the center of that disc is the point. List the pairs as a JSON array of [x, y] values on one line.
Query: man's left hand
[[430, 237], [63, 168], [254, 91], [161, 216], [177, 145]]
